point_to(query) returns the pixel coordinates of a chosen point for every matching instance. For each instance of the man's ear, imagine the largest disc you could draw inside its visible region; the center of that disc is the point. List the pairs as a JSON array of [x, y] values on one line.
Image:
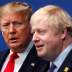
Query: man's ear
[[64, 34]]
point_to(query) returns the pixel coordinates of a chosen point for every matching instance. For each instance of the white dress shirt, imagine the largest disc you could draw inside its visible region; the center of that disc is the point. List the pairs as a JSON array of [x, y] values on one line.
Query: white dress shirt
[[19, 61]]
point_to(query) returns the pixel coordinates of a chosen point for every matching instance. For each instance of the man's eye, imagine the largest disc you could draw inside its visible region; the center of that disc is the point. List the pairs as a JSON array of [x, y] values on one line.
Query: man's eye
[[42, 32], [6, 24], [19, 23]]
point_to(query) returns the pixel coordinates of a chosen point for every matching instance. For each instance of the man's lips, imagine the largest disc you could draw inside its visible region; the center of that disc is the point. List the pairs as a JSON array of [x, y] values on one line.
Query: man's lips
[[39, 46], [13, 39]]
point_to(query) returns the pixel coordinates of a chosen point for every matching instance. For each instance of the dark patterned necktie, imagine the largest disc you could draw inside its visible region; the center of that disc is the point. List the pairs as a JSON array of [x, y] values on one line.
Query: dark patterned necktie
[[53, 66]]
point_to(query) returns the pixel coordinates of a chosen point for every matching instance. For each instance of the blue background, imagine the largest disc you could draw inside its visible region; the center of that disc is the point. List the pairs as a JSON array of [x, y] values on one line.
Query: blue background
[[66, 4]]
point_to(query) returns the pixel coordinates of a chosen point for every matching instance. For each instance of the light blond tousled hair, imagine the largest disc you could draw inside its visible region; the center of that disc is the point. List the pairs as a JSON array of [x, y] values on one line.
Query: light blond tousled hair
[[59, 18], [13, 7]]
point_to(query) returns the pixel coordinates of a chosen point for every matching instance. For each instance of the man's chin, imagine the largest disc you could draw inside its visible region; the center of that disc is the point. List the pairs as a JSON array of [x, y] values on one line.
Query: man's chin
[[13, 46], [15, 49], [42, 55]]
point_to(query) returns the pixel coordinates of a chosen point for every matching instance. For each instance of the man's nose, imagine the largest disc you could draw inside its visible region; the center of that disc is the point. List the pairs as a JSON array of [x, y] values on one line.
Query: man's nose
[[12, 28], [35, 37]]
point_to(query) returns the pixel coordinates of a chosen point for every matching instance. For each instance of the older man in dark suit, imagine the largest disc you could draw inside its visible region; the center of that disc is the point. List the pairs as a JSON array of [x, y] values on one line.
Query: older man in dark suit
[[15, 28], [52, 35]]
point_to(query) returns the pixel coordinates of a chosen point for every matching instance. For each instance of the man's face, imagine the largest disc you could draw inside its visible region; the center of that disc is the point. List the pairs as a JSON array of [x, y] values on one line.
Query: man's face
[[15, 30], [48, 43]]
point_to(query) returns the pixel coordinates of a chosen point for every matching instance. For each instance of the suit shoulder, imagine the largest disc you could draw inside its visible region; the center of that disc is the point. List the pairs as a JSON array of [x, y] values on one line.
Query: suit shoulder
[[4, 53]]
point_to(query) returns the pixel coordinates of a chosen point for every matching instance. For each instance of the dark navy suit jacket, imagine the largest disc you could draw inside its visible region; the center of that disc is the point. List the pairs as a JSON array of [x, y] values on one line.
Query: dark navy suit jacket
[[32, 58], [67, 63]]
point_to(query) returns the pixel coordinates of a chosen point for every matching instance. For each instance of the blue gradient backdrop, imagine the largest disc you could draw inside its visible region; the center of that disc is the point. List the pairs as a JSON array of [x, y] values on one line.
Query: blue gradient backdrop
[[66, 4]]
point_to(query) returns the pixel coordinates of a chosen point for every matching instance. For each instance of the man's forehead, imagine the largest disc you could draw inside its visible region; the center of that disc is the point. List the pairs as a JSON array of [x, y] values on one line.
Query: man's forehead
[[13, 16]]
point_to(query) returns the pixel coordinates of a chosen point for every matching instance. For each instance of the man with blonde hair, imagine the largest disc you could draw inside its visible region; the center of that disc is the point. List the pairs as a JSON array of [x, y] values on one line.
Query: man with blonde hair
[[15, 28], [52, 36]]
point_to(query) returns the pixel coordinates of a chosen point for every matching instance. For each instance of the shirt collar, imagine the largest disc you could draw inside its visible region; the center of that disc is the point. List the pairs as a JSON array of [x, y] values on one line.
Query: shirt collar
[[26, 51], [59, 60]]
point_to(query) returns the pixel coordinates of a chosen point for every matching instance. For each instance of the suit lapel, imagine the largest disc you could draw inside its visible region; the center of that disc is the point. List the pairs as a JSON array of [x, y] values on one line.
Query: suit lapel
[[3, 57], [67, 64], [30, 62]]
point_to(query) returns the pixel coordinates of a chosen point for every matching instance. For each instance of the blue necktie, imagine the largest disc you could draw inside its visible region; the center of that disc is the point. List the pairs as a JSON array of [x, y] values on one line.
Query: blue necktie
[[53, 66]]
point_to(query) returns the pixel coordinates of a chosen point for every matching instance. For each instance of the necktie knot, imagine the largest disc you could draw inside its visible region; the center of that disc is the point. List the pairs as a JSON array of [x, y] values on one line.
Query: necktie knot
[[53, 66], [14, 56]]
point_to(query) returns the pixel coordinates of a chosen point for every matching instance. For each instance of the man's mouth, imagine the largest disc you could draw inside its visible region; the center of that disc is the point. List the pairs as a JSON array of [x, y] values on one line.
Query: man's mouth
[[39, 46], [13, 40]]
